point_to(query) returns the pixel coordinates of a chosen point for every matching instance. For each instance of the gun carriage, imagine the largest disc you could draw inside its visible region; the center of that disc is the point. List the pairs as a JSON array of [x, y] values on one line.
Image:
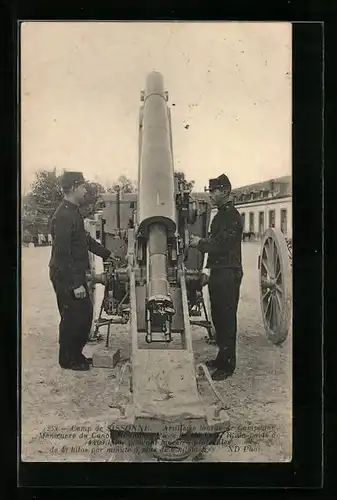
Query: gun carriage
[[156, 288]]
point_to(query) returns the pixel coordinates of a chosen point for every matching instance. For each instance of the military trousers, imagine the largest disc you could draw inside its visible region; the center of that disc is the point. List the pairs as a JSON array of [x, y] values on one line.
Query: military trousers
[[224, 290], [76, 317]]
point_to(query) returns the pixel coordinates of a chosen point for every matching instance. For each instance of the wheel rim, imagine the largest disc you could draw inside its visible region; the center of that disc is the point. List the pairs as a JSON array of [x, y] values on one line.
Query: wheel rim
[[275, 285]]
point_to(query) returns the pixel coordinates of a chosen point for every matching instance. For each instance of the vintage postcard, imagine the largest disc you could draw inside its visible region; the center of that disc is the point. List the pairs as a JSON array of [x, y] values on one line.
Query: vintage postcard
[[156, 228]]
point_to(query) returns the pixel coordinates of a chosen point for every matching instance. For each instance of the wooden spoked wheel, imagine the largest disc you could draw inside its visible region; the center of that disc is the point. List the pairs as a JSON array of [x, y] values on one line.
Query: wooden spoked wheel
[[275, 280]]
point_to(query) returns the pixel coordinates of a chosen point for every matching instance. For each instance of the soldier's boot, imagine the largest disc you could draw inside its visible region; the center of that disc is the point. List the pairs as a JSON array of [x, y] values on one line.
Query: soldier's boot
[[85, 359], [211, 363], [220, 374], [218, 361], [79, 366], [225, 364], [64, 359]]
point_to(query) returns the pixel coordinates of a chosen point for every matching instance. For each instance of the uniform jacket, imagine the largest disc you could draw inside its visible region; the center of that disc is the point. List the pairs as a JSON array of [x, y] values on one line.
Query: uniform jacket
[[224, 243], [70, 246]]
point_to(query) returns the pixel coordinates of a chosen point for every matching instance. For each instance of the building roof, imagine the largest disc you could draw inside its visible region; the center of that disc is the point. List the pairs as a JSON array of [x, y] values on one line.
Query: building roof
[[268, 185]]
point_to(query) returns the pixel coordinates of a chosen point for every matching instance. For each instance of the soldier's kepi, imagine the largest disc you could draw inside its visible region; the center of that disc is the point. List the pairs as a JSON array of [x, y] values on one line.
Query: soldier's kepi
[[68, 266], [221, 182], [223, 247]]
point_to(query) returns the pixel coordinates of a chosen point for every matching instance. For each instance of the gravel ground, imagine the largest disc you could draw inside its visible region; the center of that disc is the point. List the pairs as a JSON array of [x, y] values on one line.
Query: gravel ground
[[65, 414]]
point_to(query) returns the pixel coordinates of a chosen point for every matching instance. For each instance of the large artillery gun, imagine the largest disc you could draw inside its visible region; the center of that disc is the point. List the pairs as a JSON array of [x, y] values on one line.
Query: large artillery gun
[[156, 287]]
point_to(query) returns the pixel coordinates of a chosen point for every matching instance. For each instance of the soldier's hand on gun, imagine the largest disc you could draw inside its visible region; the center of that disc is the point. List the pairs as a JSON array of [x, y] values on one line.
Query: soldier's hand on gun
[[113, 258], [80, 292], [194, 240], [204, 279]]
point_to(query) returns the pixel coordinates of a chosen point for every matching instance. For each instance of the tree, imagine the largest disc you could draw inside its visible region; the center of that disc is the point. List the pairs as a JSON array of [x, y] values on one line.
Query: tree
[[180, 176], [45, 194], [126, 185], [92, 200], [27, 205]]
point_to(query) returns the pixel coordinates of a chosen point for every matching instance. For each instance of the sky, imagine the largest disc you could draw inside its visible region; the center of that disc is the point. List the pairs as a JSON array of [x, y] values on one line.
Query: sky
[[230, 82]]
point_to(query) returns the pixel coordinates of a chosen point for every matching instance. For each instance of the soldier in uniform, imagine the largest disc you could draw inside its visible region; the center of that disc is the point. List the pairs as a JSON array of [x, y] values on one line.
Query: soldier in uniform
[[224, 261], [68, 265]]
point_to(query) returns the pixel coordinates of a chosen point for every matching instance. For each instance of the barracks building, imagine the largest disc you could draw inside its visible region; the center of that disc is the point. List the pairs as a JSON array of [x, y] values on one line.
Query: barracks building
[[265, 204]]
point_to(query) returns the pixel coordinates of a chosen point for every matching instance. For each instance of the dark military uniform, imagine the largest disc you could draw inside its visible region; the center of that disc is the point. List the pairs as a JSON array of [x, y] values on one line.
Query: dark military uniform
[[68, 265], [224, 260]]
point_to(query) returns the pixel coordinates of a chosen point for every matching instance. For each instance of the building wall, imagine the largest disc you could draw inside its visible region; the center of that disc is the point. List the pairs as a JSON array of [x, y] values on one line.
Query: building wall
[[265, 206], [256, 201]]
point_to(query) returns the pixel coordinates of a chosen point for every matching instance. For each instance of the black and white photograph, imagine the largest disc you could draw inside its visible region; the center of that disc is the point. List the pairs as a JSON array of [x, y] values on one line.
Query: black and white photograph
[[156, 241]]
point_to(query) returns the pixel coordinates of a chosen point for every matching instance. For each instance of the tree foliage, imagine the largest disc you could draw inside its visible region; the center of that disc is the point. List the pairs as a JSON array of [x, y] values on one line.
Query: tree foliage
[[92, 200], [180, 176], [126, 185], [45, 194]]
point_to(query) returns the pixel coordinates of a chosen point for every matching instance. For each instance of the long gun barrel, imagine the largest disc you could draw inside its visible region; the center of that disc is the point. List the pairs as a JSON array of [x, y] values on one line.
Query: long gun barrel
[[156, 202]]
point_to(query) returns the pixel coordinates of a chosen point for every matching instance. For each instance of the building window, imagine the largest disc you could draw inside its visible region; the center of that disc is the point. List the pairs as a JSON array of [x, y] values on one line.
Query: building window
[[261, 222], [251, 222], [243, 215], [271, 218], [284, 220]]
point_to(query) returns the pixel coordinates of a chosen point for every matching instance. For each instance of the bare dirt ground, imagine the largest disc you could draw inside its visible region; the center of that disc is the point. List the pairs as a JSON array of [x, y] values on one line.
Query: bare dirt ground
[[65, 414]]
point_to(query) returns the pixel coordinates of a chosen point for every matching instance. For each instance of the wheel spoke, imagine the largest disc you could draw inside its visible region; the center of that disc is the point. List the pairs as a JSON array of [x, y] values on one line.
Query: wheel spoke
[[268, 308], [278, 288], [266, 266], [264, 258], [270, 259], [265, 294], [279, 302], [277, 261], [276, 256], [272, 254], [278, 309], [271, 317], [271, 251]]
